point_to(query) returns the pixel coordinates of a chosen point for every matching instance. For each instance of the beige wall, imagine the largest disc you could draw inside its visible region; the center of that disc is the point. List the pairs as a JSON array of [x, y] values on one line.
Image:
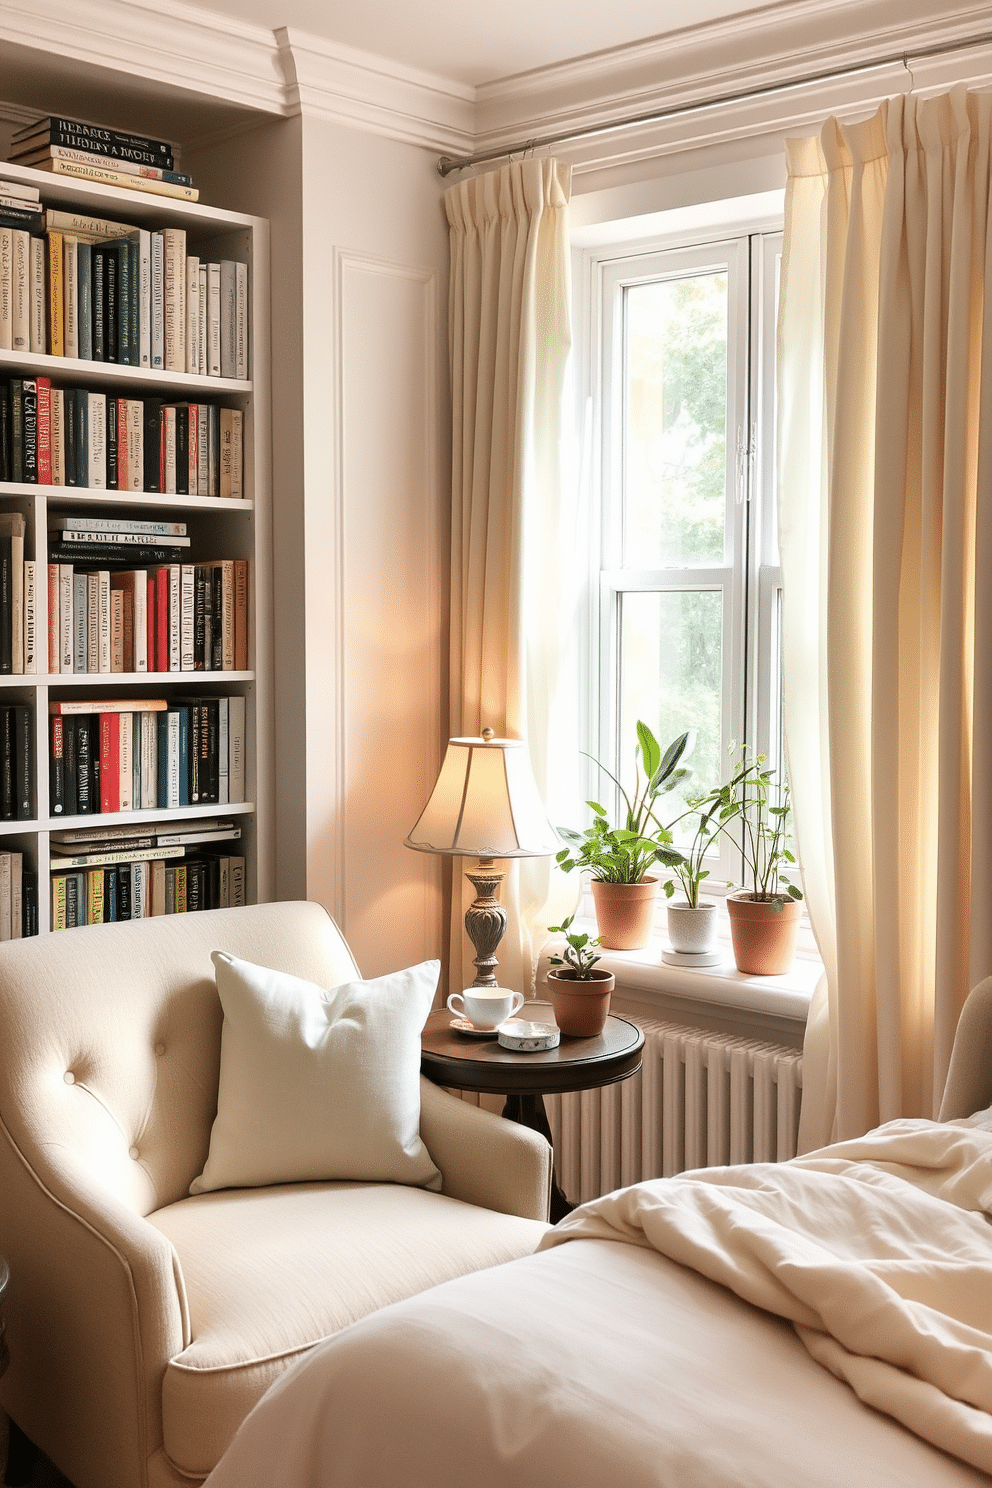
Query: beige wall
[[359, 290]]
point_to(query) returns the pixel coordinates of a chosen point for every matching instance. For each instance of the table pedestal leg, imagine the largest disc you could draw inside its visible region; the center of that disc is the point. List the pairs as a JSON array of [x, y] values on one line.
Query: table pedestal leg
[[529, 1110]]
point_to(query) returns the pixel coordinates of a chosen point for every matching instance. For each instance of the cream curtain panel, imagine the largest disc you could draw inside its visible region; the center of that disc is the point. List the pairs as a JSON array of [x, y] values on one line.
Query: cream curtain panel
[[885, 481], [510, 335]]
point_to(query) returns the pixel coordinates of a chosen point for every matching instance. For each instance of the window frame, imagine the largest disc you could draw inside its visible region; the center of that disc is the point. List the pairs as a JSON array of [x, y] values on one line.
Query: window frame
[[751, 581]]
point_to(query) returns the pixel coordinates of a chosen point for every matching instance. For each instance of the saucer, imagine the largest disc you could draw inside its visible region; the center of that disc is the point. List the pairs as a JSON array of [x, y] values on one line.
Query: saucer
[[462, 1025]]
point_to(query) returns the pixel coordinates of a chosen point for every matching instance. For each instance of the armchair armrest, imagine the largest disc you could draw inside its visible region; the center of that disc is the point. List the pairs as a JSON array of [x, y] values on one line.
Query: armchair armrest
[[483, 1159], [969, 1079]]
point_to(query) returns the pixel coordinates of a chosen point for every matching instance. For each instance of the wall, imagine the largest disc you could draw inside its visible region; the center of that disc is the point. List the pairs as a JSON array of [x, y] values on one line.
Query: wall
[[359, 255]]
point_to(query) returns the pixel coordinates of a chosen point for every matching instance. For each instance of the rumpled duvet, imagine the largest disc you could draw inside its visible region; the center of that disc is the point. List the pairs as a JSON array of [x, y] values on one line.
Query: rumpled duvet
[[878, 1251]]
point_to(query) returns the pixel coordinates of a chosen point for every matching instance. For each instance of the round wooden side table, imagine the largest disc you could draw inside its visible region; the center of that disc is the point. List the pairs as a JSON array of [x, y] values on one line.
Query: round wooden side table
[[464, 1062]]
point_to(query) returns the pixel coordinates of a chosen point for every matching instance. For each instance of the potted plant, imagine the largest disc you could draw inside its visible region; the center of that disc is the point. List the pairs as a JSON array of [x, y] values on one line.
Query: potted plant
[[579, 990], [764, 913], [619, 858], [692, 920]]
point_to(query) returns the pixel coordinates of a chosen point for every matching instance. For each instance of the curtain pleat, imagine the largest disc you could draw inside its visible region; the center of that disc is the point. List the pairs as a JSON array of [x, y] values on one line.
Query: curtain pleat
[[510, 335], [885, 381]]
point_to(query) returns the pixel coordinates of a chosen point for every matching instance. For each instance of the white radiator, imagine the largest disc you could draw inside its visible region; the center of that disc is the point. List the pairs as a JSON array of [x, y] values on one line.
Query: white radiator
[[700, 1100]]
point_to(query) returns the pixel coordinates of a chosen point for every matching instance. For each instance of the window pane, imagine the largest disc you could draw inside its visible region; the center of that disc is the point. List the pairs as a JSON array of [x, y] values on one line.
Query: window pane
[[675, 403], [671, 677]]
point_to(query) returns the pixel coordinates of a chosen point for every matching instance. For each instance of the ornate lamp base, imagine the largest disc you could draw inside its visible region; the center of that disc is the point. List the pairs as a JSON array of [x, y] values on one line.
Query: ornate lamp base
[[485, 920]]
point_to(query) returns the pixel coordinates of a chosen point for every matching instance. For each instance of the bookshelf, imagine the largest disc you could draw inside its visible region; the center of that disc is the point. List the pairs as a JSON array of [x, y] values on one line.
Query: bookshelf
[[218, 527]]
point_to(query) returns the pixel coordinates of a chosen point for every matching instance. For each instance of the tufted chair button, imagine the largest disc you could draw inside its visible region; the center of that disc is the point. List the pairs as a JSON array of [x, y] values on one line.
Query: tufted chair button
[[69, 1077], [159, 1048], [133, 1152]]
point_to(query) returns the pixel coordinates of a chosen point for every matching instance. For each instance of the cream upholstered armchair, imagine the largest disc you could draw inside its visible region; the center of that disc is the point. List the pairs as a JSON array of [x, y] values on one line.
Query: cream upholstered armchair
[[143, 1323]]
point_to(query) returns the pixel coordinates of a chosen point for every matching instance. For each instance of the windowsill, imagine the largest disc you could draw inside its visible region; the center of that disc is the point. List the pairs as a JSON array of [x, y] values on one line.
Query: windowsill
[[776, 1004]]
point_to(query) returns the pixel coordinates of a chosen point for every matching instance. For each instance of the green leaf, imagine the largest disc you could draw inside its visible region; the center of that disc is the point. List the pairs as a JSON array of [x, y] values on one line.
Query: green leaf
[[650, 750]]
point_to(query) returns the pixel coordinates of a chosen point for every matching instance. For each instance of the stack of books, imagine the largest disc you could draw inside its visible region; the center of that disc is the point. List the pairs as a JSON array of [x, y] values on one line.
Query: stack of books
[[141, 754], [128, 873], [90, 152], [118, 604]]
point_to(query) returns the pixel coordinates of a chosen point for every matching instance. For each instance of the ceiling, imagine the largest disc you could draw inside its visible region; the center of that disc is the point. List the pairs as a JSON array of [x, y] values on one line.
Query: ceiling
[[477, 43]]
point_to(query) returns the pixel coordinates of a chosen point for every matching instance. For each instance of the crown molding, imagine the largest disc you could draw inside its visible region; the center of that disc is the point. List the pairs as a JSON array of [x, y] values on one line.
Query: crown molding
[[330, 81], [769, 46], [163, 43], [260, 73]]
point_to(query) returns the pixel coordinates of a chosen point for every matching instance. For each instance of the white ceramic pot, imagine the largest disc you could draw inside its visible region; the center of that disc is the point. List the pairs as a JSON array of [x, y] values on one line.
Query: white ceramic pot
[[692, 931]]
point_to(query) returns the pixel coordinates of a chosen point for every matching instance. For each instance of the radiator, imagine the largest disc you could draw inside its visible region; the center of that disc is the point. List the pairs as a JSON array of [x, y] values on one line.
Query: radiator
[[700, 1100]]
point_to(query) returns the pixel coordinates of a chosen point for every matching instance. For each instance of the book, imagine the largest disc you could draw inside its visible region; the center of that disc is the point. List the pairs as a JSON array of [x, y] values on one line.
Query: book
[[135, 443], [56, 301], [20, 289], [213, 320], [192, 314], [66, 707], [129, 527], [30, 616], [95, 229], [118, 855], [157, 307], [37, 293], [121, 536], [241, 328], [111, 177], [6, 288], [65, 618], [23, 726], [144, 298], [58, 436], [70, 291], [228, 318], [112, 431], [236, 769], [174, 295], [44, 388], [29, 434], [152, 423], [20, 189], [81, 623], [84, 294], [96, 441], [49, 151], [78, 134]]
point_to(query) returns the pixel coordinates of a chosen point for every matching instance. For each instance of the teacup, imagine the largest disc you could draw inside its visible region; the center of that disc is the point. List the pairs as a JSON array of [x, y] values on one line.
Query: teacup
[[486, 1007]]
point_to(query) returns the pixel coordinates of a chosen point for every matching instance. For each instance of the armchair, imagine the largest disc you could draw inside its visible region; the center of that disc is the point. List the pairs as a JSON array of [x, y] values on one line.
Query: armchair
[[144, 1324]]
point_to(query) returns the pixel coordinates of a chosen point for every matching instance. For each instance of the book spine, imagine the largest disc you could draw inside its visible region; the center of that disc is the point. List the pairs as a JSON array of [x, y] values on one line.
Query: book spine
[[237, 751], [135, 444], [223, 751], [193, 449], [6, 454], [110, 764], [16, 428], [97, 441], [125, 782], [58, 909], [44, 387], [23, 763], [65, 619], [56, 302], [95, 138], [140, 620], [17, 600], [192, 314], [240, 615], [84, 300], [30, 616], [124, 355], [202, 320], [213, 320], [241, 333], [103, 621], [39, 342], [228, 318], [127, 166], [112, 425], [53, 618], [116, 630], [149, 761], [71, 292], [81, 623], [6, 288], [6, 604], [21, 290], [16, 895], [203, 450], [227, 480], [157, 300], [152, 411], [187, 632], [182, 450], [169, 437], [174, 242], [29, 415], [56, 766], [144, 298], [111, 290], [81, 407], [58, 437], [111, 177]]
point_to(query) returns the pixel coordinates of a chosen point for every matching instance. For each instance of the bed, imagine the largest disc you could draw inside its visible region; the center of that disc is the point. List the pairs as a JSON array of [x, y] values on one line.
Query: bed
[[821, 1322]]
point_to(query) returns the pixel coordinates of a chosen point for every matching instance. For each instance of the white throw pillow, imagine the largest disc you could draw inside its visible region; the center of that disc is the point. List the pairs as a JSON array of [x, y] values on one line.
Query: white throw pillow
[[319, 1083]]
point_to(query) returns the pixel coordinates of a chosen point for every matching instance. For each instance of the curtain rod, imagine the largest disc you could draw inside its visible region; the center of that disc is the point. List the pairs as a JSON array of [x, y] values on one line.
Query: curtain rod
[[449, 163]]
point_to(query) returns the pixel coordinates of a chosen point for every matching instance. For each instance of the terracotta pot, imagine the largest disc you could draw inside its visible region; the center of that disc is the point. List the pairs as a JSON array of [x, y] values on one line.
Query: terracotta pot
[[581, 1007], [692, 930], [764, 938], [625, 913]]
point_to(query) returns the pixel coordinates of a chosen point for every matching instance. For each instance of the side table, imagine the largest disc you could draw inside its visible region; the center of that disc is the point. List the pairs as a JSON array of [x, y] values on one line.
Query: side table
[[464, 1062]]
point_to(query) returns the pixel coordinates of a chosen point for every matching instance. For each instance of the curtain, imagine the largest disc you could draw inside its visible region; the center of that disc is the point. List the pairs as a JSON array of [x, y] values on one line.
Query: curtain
[[510, 335], [885, 495]]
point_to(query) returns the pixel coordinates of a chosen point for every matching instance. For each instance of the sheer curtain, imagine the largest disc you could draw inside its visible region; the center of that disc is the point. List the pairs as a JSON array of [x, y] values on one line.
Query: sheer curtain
[[510, 335], [885, 481]]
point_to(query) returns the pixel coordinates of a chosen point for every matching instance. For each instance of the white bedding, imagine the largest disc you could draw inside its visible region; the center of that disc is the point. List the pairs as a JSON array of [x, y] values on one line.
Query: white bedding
[[596, 1363]]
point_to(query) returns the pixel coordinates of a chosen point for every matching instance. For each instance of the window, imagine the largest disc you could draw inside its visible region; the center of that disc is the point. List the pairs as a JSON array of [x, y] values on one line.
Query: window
[[687, 587]]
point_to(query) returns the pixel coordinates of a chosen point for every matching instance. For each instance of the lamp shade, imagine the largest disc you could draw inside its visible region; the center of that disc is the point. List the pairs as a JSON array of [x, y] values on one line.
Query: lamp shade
[[485, 804]]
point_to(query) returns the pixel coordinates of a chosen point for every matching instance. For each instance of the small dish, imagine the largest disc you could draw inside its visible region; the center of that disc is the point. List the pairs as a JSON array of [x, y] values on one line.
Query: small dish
[[528, 1038], [462, 1025]]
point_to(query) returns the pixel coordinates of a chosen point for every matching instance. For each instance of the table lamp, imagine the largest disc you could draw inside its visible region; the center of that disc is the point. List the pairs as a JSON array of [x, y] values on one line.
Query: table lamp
[[485, 805]]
